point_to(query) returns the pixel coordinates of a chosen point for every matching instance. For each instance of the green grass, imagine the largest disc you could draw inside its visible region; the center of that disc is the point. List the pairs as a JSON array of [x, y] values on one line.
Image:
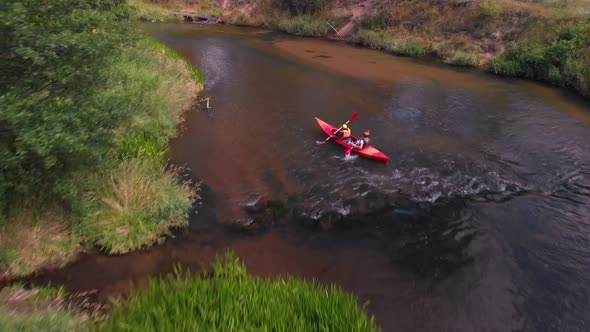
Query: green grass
[[410, 48], [305, 25], [229, 299], [133, 201], [383, 40], [136, 202], [37, 309], [379, 40], [169, 53], [36, 296], [50, 320], [135, 206], [561, 59], [33, 238], [45, 294], [466, 59], [144, 10], [379, 21], [490, 9]]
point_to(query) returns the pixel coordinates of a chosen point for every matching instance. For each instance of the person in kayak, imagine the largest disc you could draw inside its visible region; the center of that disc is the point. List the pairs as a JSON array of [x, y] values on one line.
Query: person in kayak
[[346, 134], [363, 142]]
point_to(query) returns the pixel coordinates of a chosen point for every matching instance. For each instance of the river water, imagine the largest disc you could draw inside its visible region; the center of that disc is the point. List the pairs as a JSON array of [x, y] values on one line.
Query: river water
[[479, 222]]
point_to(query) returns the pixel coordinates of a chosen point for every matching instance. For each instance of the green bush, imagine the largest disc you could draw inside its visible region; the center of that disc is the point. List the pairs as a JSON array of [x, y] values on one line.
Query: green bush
[[88, 106], [52, 61], [562, 60], [231, 300]]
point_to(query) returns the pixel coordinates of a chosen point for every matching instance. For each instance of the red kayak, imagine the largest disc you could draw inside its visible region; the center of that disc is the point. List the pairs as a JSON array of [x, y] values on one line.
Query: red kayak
[[368, 152]]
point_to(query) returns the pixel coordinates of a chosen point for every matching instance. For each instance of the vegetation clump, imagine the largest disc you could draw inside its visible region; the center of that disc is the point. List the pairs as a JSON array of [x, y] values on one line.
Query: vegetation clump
[[467, 59], [304, 25], [378, 40], [563, 60], [228, 299], [489, 9], [89, 105], [38, 309]]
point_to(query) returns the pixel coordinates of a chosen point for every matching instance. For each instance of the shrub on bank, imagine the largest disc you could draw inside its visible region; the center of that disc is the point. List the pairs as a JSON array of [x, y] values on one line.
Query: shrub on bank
[[88, 107], [562, 60], [53, 64], [229, 299]]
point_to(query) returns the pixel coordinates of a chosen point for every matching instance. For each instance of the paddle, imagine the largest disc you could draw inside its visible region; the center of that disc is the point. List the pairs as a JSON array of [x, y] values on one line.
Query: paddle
[[354, 116]]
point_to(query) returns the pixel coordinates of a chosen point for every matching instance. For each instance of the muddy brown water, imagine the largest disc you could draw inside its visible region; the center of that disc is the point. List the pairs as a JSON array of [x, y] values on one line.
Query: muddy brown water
[[480, 222]]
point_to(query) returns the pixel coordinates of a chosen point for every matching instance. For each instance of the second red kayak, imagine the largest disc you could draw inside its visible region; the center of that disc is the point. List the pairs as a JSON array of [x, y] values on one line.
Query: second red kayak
[[368, 152]]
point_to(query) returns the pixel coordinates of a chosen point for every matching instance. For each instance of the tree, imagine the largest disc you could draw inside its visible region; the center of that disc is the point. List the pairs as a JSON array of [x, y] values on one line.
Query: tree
[[53, 56]]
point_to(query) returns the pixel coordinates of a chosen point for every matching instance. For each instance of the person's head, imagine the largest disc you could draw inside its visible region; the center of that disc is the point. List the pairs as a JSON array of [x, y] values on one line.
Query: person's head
[[367, 133], [344, 126]]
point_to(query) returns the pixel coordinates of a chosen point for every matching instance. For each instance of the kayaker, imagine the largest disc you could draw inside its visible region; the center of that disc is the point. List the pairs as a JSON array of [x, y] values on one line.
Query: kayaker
[[346, 134], [363, 142]]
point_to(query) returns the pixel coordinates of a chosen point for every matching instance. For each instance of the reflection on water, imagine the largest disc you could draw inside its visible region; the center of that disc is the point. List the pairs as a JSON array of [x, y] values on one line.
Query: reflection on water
[[480, 221]]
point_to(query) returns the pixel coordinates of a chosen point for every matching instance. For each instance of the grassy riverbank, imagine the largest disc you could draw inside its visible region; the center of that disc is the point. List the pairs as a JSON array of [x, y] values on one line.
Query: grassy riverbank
[[540, 40], [225, 298], [38, 309], [228, 299], [88, 109]]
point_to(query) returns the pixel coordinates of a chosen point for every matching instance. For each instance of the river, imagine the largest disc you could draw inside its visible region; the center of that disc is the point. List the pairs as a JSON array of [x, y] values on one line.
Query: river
[[479, 222]]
